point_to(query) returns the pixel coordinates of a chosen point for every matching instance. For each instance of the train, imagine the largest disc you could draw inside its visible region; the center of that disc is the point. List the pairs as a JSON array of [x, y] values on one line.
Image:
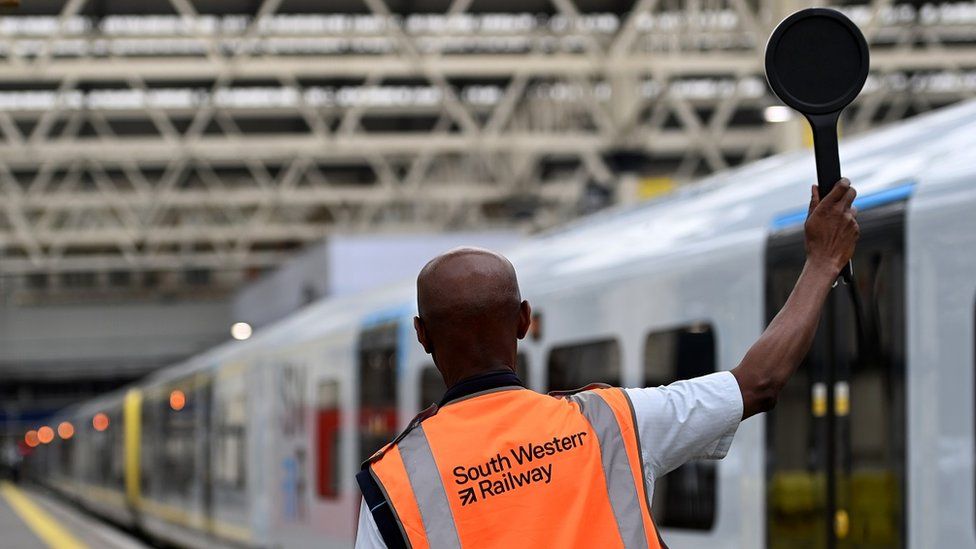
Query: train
[[256, 443]]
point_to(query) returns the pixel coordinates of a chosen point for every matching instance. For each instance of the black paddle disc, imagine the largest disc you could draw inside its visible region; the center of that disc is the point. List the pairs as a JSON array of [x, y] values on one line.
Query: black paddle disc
[[816, 62]]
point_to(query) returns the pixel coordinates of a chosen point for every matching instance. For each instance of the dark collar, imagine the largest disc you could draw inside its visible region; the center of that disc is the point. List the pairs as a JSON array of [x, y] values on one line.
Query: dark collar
[[479, 383]]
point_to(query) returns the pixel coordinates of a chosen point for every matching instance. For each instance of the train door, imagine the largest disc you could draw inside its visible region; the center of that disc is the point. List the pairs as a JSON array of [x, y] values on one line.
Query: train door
[[205, 422], [328, 425], [377, 353], [229, 455], [835, 459], [334, 500]]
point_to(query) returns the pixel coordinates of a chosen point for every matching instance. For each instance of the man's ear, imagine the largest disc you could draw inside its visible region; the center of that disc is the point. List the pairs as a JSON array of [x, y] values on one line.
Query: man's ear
[[418, 325], [524, 320]]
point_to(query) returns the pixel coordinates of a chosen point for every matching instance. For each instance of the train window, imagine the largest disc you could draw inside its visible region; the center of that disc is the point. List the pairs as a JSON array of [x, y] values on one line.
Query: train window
[[117, 478], [66, 455], [96, 444], [110, 471], [328, 428], [685, 497], [230, 443], [149, 441], [577, 365], [178, 407], [860, 346], [377, 388]]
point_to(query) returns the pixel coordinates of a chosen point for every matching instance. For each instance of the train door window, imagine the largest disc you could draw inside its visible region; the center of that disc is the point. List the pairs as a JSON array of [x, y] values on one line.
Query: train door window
[[230, 444], [116, 469], [577, 365], [857, 361], [328, 423], [377, 366], [177, 405], [149, 443], [686, 497]]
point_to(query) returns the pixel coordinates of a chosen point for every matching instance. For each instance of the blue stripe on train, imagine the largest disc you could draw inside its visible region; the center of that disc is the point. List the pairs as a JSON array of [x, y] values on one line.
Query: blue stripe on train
[[866, 202]]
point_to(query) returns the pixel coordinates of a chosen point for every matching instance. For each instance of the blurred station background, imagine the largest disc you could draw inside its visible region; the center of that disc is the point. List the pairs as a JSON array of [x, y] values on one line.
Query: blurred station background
[[177, 175]]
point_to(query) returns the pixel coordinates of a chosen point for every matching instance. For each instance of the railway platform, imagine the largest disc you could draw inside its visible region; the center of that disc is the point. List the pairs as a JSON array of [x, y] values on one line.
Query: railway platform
[[31, 519]]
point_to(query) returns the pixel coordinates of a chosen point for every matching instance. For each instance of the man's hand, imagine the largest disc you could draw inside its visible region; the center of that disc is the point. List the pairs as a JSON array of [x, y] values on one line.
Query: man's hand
[[831, 231]]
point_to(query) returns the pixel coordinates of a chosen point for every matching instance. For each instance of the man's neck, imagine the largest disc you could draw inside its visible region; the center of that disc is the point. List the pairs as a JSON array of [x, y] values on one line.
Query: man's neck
[[479, 373], [457, 367], [482, 382]]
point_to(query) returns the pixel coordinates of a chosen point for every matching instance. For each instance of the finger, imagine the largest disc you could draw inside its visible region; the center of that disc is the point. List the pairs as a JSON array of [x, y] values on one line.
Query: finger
[[853, 211], [848, 200], [814, 198], [837, 193]]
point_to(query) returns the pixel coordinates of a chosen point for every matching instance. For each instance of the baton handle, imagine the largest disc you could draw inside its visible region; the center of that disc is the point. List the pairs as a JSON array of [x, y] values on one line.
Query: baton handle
[[825, 151]]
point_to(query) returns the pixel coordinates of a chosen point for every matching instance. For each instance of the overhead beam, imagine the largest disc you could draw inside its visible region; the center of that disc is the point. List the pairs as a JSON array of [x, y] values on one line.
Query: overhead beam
[[455, 192], [456, 66], [155, 261], [156, 151]]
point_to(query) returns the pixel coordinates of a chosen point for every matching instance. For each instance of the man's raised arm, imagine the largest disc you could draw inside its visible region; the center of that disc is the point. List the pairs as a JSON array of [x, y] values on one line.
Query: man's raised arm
[[831, 231]]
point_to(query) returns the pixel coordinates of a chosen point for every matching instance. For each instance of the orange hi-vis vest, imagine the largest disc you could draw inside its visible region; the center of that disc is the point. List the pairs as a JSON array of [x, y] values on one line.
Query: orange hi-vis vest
[[509, 467]]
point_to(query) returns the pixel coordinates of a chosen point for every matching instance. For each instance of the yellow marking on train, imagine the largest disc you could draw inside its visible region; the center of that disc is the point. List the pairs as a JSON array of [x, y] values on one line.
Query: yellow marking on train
[[818, 399], [230, 531], [189, 518], [132, 441], [842, 398], [842, 523], [173, 514], [38, 520], [163, 511]]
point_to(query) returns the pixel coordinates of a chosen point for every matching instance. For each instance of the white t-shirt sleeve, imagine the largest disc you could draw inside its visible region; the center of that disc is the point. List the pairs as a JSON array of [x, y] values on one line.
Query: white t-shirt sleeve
[[686, 420], [368, 535]]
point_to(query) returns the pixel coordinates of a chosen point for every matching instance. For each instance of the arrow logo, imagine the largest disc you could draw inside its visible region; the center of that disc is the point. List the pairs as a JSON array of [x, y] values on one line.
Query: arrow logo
[[467, 496]]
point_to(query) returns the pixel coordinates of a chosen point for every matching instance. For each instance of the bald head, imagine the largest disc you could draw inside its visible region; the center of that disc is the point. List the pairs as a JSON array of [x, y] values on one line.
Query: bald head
[[465, 284], [470, 310]]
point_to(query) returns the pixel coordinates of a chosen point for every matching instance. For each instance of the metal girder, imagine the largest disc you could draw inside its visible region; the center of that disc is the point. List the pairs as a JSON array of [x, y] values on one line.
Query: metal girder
[[155, 262], [224, 150], [469, 66], [109, 160]]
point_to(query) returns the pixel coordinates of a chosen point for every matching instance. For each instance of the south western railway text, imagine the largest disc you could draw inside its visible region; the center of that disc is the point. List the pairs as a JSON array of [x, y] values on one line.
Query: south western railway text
[[495, 476]]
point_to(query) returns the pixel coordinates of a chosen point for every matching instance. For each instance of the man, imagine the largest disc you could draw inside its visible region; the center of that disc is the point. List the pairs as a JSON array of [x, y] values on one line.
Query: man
[[495, 465]]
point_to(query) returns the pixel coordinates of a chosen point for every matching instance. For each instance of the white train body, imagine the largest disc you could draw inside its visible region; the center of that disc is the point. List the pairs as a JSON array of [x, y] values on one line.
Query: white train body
[[265, 451]]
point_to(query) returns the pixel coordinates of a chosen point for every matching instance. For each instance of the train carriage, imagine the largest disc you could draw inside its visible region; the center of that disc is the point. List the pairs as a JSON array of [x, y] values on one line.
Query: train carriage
[[268, 434]]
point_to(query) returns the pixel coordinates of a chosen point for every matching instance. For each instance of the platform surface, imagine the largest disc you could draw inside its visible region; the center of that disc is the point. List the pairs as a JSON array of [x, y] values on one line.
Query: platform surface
[[32, 519]]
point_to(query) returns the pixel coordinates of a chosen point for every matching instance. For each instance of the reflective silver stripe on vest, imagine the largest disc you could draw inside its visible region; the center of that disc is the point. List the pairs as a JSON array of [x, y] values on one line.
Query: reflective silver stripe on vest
[[616, 469], [425, 481]]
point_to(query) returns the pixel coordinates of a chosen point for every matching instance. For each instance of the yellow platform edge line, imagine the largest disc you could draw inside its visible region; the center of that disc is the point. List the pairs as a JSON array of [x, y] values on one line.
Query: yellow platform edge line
[[41, 523]]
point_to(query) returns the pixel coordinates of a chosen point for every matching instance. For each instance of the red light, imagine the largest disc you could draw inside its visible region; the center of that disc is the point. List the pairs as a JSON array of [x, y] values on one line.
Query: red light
[[100, 421], [30, 439], [177, 400], [66, 430], [45, 435]]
